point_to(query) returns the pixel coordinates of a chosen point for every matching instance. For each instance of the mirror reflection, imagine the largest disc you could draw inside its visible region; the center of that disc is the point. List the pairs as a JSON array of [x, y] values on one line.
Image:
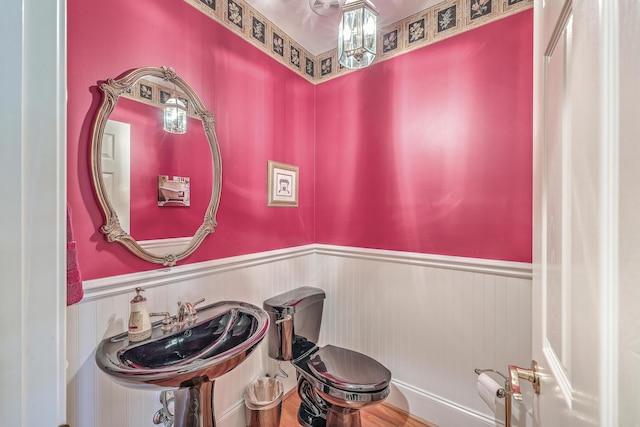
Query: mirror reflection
[[156, 165]]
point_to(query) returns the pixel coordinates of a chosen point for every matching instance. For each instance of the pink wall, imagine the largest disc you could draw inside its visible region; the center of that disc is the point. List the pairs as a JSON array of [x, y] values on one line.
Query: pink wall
[[263, 112], [428, 152], [432, 151]]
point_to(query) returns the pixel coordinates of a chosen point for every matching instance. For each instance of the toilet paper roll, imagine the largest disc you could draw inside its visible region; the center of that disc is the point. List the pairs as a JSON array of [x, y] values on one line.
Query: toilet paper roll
[[488, 390]]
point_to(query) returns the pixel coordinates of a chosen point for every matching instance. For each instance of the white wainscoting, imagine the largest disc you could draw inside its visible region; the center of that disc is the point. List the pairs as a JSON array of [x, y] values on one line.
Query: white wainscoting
[[430, 319], [95, 401]]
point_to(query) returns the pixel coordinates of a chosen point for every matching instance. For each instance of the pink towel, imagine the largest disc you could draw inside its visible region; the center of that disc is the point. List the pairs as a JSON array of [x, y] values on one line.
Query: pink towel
[[74, 278]]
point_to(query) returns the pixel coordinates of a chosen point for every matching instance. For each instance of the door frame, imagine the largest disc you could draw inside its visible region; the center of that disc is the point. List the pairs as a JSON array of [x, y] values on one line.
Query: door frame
[[33, 170]]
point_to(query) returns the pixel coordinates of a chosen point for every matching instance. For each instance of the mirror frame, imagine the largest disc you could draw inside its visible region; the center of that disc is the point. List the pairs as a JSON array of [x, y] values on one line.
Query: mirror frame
[[112, 90]]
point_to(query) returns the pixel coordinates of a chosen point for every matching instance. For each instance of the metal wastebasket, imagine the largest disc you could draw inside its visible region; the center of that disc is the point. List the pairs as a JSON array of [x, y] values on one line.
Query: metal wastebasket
[[263, 402]]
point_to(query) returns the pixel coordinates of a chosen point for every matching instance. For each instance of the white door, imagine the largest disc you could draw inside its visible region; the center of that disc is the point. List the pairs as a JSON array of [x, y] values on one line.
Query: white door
[[581, 222], [116, 153]]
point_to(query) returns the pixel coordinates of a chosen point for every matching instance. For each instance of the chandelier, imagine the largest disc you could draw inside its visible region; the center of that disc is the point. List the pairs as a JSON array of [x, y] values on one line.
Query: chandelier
[[357, 34]]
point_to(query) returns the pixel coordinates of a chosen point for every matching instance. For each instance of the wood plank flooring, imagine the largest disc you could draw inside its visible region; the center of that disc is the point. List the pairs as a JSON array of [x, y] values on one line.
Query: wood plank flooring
[[382, 415]]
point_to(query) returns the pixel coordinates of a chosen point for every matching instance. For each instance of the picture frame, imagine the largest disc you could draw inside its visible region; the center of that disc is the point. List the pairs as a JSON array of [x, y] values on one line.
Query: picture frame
[[282, 184], [174, 191]]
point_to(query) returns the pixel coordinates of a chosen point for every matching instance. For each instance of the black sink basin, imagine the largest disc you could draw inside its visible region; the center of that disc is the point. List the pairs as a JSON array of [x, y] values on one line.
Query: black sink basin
[[225, 334]]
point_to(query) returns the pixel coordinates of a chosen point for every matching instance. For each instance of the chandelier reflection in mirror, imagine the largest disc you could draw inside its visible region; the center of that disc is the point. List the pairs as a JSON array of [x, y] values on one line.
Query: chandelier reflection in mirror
[[357, 34], [175, 115]]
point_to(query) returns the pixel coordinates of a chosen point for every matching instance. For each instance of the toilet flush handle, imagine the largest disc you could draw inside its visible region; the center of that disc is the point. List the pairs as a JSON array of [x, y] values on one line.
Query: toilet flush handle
[[286, 318]]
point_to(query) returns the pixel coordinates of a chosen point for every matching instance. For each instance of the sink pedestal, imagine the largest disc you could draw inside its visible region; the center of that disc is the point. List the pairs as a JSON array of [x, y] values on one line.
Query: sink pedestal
[[193, 406]]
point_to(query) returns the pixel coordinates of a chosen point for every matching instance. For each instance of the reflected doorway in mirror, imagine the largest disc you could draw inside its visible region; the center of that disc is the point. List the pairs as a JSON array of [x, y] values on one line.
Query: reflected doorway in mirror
[[116, 169]]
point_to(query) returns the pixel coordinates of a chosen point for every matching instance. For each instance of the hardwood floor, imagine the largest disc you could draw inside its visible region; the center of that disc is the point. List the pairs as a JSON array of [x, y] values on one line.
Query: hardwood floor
[[382, 415]]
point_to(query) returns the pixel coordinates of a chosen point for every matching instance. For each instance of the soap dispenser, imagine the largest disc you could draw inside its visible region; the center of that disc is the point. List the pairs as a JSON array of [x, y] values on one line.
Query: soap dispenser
[[139, 320]]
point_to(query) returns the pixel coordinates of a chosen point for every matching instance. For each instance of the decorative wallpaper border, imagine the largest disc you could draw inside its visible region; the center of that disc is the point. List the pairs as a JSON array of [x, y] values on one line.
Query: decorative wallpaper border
[[156, 94], [443, 20]]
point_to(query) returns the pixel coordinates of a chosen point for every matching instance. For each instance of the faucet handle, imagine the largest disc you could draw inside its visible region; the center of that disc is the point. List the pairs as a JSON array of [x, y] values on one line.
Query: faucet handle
[[187, 311], [167, 322], [193, 316]]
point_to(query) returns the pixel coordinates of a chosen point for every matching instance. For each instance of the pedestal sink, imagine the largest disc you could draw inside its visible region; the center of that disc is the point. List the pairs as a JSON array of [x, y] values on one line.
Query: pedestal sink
[[188, 358]]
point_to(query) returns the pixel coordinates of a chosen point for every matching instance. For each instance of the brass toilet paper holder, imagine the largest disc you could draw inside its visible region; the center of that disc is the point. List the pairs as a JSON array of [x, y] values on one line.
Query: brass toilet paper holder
[[512, 385]]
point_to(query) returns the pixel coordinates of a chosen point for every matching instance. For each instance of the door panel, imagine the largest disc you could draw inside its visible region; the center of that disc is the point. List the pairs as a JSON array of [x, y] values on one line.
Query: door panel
[[576, 217]]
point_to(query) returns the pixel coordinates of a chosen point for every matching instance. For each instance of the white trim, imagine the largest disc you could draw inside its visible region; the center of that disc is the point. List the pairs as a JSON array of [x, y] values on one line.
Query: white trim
[[33, 163], [11, 216], [61, 184], [232, 416], [609, 210], [434, 408], [475, 265], [107, 286]]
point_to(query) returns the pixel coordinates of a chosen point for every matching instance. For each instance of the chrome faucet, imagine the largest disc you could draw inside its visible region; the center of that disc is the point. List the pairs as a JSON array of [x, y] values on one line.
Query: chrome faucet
[[187, 312]]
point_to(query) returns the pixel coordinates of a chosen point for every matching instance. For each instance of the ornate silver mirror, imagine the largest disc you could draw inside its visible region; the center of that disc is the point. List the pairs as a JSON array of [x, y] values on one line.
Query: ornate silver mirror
[[155, 164]]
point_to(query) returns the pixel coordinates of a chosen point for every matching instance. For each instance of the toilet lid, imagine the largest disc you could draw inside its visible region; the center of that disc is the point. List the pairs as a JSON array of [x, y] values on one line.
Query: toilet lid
[[348, 370]]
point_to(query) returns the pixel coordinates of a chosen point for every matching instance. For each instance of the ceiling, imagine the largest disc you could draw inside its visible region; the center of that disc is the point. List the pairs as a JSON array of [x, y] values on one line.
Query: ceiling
[[319, 34]]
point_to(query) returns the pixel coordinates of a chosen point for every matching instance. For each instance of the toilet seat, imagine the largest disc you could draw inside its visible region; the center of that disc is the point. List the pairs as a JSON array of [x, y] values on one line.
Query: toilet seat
[[348, 370]]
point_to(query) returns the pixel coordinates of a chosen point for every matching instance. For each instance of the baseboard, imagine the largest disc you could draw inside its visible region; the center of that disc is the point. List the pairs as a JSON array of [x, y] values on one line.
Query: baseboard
[[419, 403], [435, 409], [234, 417]]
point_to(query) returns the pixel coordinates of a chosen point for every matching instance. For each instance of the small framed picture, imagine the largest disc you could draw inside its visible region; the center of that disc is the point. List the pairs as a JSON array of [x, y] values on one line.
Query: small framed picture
[[174, 191], [282, 185]]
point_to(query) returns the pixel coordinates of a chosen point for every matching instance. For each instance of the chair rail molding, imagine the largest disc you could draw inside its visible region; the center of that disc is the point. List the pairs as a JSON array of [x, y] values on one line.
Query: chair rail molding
[[113, 285]]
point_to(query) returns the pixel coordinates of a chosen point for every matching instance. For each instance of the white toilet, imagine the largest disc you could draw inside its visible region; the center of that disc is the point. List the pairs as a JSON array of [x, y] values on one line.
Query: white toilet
[[333, 383]]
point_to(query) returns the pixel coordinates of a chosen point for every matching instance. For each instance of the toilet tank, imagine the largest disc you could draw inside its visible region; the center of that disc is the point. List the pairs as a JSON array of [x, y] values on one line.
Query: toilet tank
[[294, 322]]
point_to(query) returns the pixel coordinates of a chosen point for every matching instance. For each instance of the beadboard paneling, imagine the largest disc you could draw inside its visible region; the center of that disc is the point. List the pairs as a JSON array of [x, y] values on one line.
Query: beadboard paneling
[[94, 400], [430, 319]]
